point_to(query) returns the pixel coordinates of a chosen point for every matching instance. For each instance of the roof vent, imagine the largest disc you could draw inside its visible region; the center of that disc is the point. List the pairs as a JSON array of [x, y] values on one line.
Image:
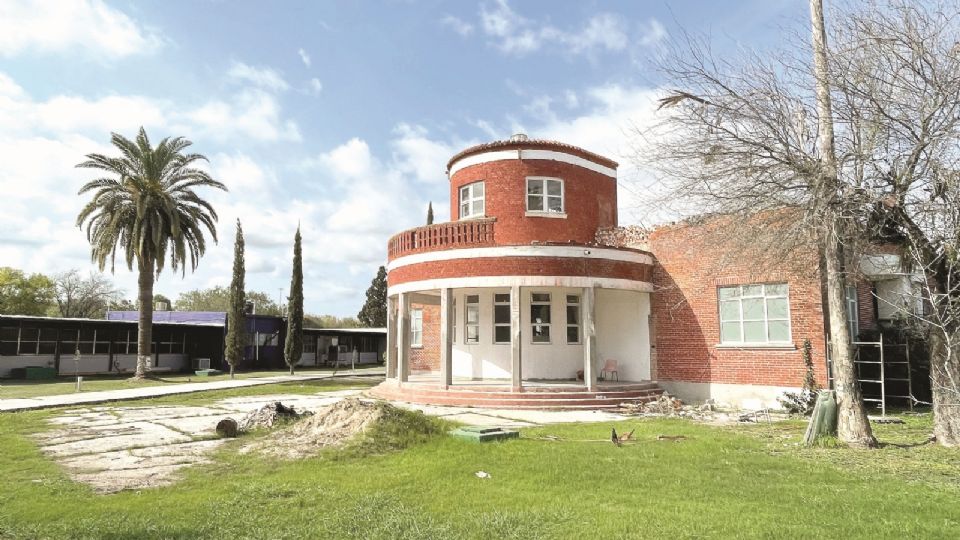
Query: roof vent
[[519, 137]]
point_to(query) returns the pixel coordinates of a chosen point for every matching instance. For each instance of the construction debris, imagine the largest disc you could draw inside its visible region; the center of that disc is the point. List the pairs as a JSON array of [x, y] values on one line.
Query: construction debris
[[632, 236], [330, 426], [268, 415], [674, 438], [670, 407]]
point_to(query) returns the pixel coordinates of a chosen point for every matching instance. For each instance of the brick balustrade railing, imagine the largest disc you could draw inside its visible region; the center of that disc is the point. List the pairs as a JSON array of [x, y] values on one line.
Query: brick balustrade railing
[[450, 235]]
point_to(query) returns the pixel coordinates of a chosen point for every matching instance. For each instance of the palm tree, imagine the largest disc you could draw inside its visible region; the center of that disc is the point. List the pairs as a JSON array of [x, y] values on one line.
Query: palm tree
[[146, 207]]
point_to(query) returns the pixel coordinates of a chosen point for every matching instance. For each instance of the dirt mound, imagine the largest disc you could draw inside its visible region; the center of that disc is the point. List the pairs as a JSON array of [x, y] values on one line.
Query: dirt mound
[[330, 426], [265, 417]]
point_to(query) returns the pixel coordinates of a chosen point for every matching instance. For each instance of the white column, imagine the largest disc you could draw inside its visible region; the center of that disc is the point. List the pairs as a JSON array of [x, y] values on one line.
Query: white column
[[589, 338], [516, 367], [403, 338], [446, 337], [392, 337]]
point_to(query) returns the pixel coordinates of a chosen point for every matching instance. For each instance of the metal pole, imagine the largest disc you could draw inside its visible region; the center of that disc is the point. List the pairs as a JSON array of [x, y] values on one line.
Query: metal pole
[[906, 352], [883, 382]]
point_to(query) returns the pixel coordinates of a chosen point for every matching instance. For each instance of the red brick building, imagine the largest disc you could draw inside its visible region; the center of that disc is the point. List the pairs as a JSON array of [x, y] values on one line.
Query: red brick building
[[526, 292]]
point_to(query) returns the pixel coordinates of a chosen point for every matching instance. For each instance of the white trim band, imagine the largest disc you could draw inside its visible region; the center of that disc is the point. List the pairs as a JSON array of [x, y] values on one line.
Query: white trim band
[[552, 155], [519, 281], [522, 251]]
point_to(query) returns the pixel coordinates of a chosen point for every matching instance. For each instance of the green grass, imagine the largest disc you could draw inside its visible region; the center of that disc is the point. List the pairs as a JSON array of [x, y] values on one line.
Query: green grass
[[10, 389], [407, 480]]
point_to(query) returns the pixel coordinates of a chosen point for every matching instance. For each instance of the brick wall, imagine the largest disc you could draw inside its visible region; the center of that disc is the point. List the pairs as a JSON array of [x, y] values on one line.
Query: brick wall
[[427, 357], [692, 262], [521, 266], [590, 200]]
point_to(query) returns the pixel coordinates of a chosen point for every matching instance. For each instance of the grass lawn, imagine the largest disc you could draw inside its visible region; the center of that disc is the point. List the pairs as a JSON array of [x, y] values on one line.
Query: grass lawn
[[10, 388], [410, 481]]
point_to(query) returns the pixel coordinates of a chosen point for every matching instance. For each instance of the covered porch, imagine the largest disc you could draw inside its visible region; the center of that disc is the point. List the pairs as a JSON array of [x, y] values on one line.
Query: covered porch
[[517, 338]]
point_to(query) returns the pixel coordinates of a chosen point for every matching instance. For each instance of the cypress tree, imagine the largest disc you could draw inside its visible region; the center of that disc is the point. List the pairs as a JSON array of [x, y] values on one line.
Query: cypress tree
[[293, 347], [430, 213], [236, 320], [373, 314]]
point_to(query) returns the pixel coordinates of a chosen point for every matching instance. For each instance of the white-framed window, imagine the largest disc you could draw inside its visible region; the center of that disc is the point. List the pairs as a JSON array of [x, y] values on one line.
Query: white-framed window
[[471, 200], [853, 312], [540, 317], [545, 195], [573, 318], [501, 318], [471, 333], [416, 328], [757, 313]]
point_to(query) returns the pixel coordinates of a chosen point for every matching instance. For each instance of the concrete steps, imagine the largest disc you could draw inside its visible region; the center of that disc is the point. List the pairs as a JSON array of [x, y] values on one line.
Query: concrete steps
[[540, 397]]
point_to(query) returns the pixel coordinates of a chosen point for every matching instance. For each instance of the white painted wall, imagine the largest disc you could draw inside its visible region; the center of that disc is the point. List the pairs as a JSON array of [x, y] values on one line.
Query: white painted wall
[[89, 363], [8, 363], [623, 332], [622, 326], [739, 396]]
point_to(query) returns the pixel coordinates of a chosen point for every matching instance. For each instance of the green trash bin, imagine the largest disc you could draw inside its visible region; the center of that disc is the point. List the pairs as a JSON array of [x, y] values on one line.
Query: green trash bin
[[37, 372]]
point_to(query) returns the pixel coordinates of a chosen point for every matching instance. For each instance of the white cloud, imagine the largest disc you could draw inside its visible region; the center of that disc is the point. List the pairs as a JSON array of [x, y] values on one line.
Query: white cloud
[[252, 113], [69, 25], [415, 154], [458, 25], [519, 35], [244, 176], [266, 78], [652, 33], [304, 57], [315, 86]]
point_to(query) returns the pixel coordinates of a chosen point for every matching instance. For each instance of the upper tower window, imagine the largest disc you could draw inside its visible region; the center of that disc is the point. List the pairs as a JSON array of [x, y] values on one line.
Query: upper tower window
[[545, 195], [471, 200]]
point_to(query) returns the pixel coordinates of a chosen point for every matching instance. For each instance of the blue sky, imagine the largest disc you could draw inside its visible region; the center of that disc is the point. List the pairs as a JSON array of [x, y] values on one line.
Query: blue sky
[[337, 115]]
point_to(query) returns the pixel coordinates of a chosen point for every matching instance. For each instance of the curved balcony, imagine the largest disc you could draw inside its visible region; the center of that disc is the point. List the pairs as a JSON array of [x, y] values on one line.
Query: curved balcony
[[450, 235]]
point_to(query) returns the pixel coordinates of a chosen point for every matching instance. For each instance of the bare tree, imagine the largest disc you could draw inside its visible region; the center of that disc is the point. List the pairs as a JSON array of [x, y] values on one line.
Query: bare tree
[[740, 137], [895, 71], [87, 297]]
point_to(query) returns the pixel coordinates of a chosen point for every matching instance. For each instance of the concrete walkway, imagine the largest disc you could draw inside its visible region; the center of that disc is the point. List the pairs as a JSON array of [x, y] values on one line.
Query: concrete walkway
[[82, 398]]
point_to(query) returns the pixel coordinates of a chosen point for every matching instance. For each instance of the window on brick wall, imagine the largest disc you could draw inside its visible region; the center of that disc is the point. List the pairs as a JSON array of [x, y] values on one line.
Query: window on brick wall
[[853, 313], [545, 195], [754, 313], [471, 200], [540, 317], [501, 318], [573, 318], [471, 332], [416, 328]]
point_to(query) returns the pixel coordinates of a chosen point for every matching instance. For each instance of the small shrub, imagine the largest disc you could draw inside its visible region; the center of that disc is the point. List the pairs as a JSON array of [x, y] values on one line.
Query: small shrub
[[802, 402]]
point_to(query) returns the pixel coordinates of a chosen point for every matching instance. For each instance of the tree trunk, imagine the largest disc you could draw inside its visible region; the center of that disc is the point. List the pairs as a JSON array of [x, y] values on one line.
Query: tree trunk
[[231, 371], [145, 321], [291, 370], [945, 386], [853, 427]]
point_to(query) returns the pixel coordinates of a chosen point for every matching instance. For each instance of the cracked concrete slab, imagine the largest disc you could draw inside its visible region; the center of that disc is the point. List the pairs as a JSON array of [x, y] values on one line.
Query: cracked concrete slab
[[117, 448]]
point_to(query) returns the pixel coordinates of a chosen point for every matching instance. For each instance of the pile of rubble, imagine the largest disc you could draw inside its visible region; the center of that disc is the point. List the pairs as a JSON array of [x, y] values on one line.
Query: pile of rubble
[[265, 417], [330, 426], [667, 405], [632, 236]]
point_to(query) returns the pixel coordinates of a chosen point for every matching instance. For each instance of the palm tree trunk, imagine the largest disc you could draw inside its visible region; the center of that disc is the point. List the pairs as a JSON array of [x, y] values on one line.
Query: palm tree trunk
[[145, 321]]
